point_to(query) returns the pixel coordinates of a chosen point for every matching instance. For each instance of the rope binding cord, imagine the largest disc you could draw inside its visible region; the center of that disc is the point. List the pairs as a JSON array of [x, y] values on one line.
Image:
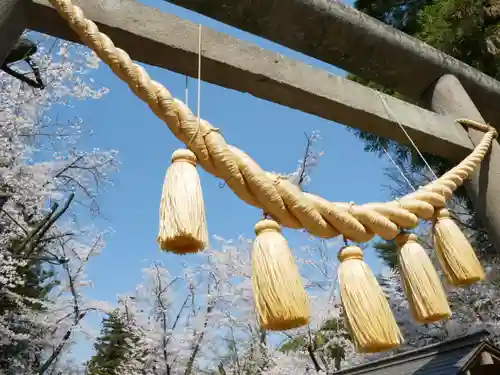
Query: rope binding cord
[[280, 298]]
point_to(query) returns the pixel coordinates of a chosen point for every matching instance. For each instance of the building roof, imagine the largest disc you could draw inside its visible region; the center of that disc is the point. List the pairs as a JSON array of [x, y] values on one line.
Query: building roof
[[449, 357]]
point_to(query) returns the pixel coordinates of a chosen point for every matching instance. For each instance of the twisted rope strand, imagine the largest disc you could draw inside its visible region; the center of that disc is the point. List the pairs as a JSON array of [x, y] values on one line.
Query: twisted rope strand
[[284, 201]]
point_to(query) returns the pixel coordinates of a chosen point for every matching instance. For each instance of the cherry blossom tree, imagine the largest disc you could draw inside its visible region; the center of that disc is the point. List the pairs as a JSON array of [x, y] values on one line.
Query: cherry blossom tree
[[200, 321], [203, 320], [49, 190]]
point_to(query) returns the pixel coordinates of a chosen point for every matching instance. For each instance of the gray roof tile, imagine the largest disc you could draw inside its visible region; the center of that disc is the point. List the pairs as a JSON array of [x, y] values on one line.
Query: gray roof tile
[[445, 358]]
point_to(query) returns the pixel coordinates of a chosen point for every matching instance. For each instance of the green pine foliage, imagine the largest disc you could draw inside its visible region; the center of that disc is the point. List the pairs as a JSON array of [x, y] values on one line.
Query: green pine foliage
[[38, 282], [111, 347], [324, 345], [387, 251]]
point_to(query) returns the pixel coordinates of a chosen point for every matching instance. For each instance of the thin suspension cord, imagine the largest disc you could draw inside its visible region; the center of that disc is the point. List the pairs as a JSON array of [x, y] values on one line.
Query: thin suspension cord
[[198, 117], [399, 169], [186, 92], [199, 74], [391, 113]]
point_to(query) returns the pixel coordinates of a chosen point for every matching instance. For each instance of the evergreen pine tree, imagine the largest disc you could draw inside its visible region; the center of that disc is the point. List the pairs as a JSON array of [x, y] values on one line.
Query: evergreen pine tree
[[111, 347], [38, 282], [325, 343]]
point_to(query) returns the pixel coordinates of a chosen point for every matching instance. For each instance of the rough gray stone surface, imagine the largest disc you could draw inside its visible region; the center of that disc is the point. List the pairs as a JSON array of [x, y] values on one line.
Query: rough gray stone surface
[[166, 41], [448, 96], [340, 35]]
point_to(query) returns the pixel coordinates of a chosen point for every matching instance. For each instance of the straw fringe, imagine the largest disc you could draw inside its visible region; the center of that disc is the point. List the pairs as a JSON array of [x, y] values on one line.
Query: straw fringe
[[369, 317], [421, 284], [280, 298], [183, 227], [455, 254]]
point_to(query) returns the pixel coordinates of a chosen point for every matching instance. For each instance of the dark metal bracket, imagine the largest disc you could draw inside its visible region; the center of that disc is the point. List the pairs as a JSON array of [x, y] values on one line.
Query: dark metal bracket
[[23, 51]]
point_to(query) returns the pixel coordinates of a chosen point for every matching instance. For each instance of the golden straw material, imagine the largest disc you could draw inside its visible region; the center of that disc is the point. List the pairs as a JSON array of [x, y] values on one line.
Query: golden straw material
[[369, 317], [421, 284], [292, 208], [456, 256], [183, 227], [279, 295]]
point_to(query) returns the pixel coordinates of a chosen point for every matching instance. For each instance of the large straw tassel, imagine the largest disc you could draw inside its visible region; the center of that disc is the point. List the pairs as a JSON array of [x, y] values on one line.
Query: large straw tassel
[[279, 295], [368, 314], [183, 227], [456, 256], [421, 284]]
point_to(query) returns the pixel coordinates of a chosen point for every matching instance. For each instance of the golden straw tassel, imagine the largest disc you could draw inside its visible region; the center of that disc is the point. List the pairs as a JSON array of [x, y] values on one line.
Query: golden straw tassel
[[421, 284], [183, 227], [368, 314], [279, 295], [456, 256]]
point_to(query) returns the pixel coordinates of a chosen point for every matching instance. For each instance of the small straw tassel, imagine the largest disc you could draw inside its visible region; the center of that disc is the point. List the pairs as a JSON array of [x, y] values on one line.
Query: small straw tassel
[[456, 256], [279, 295], [421, 284], [367, 311], [183, 227]]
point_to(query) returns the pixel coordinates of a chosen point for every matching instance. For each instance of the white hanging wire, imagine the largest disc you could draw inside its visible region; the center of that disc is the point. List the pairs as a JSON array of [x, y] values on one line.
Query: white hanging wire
[[391, 114], [186, 92], [199, 75], [399, 169], [198, 114]]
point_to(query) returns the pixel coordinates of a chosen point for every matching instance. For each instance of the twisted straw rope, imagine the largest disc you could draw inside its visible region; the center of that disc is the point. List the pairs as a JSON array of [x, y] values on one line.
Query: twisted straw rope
[[276, 196]]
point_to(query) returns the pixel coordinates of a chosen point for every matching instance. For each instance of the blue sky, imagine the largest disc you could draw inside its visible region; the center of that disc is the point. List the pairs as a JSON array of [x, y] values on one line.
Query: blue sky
[[272, 134]]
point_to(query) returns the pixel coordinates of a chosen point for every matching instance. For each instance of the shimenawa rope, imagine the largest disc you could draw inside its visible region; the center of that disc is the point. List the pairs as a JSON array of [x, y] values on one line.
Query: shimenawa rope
[[278, 197], [281, 301]]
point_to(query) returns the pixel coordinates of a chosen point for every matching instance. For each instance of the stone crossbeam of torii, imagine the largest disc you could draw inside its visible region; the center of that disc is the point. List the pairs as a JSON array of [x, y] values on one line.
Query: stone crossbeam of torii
[[323, 29]]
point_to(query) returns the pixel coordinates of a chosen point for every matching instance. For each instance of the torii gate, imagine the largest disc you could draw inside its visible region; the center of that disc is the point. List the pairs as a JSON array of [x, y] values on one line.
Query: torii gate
[[349, 39], [280, 299]]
